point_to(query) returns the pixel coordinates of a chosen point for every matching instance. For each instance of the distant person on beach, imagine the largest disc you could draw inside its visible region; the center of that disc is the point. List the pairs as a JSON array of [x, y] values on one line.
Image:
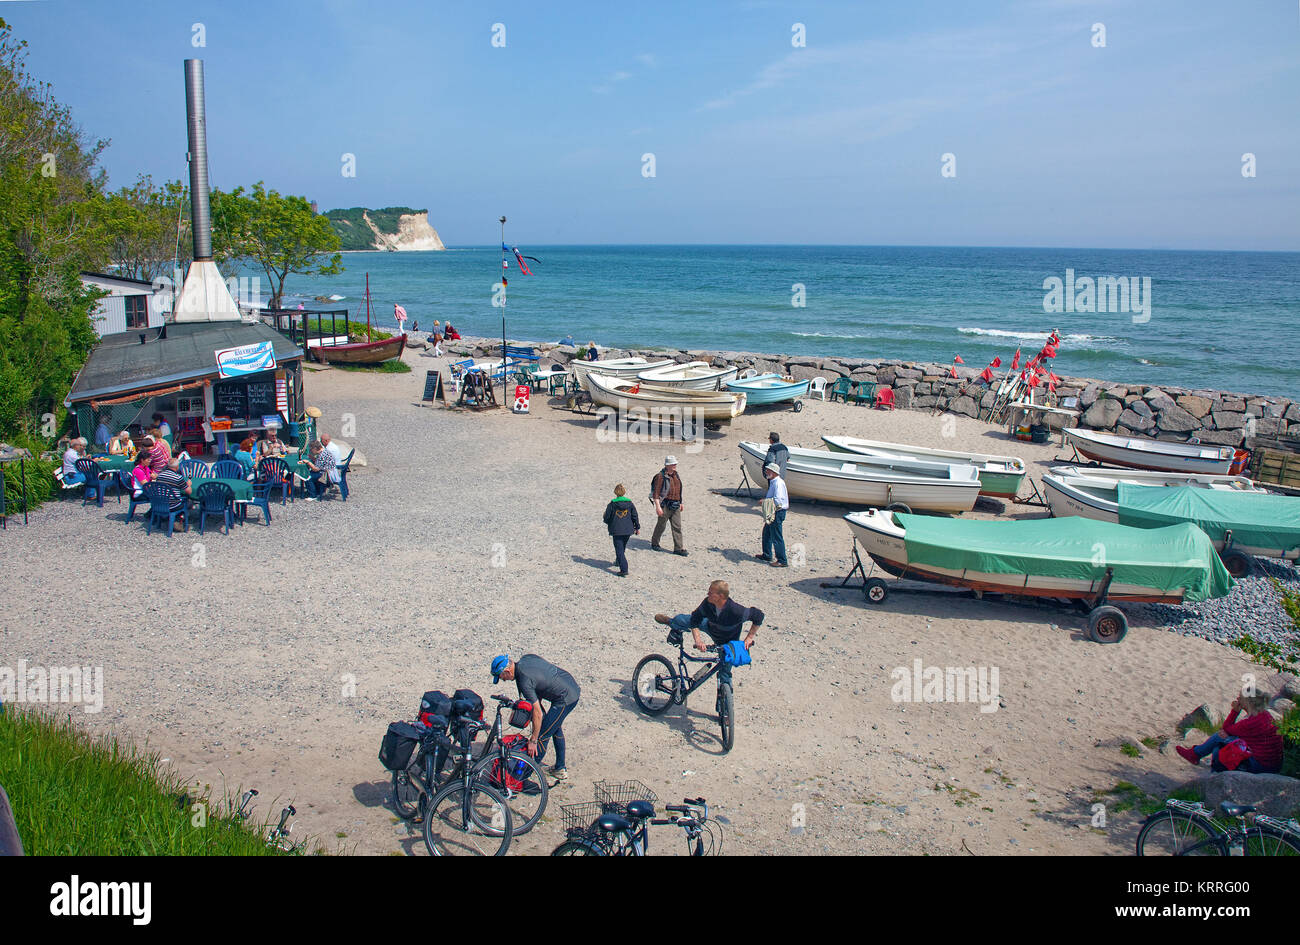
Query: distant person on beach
[[721, 618], [666, 494], [593, 353], [415, 324], [623, 523], [450, 333], [436, 337], [775, 504], [1257, 730], [536, 679], [777, 452], [567, 340]]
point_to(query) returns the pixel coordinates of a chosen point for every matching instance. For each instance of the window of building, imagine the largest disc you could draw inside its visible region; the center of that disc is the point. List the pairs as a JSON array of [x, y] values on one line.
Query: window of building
[[137, 311]]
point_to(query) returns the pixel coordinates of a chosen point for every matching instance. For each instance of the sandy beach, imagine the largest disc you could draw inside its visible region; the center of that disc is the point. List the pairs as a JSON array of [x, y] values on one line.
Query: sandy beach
[[470, 534]]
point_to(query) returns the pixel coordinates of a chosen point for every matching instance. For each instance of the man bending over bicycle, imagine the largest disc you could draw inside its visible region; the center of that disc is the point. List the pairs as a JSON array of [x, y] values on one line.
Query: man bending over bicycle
[[721, 618], [536, 680]]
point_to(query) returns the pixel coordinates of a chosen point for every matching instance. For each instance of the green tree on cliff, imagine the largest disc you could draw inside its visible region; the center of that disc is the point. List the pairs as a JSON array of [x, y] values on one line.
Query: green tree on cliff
[[280, 234]]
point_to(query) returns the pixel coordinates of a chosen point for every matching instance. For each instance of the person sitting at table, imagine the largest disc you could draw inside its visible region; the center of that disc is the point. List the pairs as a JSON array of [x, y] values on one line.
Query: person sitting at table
[[164, 428], [142, 474], [245, 456], [320, 461], [156, 453], [121, 445], [161, 444], [102, 433], [75, 451], [271, 447], [171, 476]]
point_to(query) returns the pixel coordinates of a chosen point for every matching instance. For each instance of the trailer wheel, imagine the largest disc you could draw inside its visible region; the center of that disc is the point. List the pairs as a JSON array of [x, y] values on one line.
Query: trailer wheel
[[875, 591], [1239, 565], [899, 507], [798, 406], [1107, 624]]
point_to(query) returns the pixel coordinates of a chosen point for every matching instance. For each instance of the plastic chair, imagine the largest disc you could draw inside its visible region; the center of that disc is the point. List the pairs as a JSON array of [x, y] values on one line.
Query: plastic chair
[[817, 386], [343, 474], [885, 398], [228, 469], [215, 498], [127, 482], [166, 503], [841, 390], [193, 469], [276, 472], [748, 372], [90, 469], [864, 392], [261, 499]]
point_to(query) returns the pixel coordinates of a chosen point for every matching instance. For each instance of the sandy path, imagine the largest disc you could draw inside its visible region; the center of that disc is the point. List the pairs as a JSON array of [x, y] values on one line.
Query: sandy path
[[234, 669]]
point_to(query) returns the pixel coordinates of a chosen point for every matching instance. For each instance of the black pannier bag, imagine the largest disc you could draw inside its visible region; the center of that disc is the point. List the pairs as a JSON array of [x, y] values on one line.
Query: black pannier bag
[[434, 702], [399, 745], [521, 714], [467, 703]]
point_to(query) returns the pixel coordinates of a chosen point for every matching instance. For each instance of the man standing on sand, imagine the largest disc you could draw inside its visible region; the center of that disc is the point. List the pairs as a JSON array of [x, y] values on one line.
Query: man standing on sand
[[536, 679], [666, 494], [721, 618], [777, 452], [774, 531]]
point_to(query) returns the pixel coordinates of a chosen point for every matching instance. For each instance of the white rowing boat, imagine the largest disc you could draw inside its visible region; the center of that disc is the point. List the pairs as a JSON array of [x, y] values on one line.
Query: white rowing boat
[[1094, 493], [616, 367], [1138, 452], [835, 477], [1000, 476], [694, 375], [635, 400]]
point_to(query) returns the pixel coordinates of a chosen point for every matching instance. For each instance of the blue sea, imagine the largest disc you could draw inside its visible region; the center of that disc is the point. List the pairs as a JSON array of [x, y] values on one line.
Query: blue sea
[[1223, 320]]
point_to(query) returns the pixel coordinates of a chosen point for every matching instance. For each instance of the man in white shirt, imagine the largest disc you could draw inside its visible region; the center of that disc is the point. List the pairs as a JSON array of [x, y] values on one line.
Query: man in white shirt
[[773, 532], [330, 445]]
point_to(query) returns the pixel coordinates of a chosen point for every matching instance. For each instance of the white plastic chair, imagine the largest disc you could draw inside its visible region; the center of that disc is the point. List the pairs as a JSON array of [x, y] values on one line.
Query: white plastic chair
[[748, 372], [818, 387]]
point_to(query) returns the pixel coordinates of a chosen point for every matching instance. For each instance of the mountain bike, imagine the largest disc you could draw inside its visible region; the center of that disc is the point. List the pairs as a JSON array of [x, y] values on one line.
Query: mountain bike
[[463, 816], [656, 684], [527, 802], [601, 828], [1189, 829]]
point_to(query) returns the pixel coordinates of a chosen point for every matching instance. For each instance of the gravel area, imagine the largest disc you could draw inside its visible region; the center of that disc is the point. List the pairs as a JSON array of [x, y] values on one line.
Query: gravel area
[[1253, 608]]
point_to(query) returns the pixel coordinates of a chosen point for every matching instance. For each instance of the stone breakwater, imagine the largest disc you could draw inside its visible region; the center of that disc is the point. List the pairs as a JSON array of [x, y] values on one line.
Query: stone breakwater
[[1162, 412]]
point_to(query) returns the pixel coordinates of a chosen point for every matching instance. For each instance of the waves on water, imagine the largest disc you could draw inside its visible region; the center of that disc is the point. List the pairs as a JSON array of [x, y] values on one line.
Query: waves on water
[[1038, 335]]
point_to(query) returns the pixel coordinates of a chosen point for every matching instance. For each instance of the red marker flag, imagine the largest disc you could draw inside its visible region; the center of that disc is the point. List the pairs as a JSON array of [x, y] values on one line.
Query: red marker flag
[[952, 372], [986, 375], [958, 360], [997, 362], [1015, 362]]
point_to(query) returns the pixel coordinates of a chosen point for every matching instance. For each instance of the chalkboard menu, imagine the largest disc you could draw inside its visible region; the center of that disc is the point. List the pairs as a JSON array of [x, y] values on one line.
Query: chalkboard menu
[[230, 399], [261, 398], [433, 387]]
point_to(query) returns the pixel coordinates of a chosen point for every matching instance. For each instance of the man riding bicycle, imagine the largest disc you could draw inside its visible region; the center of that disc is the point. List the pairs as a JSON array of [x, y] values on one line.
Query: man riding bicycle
[[721, 618]]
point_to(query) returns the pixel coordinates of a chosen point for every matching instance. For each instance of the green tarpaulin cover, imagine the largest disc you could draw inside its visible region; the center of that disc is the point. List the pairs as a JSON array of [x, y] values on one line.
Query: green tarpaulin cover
[[1258, 520], [1178, 556]]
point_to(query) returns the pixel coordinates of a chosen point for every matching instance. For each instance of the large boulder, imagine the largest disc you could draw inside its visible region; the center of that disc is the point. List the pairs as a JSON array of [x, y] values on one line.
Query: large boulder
[[805, 372], [1176, 420], [1090, 395], [1103, 414], [965, 405], [1141, 408], [1265, 426], [1201, 717], [1222, 437], [903, 397], [1276, 409], [1197, 406], [1272, 794], [1227, 420], [887, 374], [923, 402], [1232, 403], [1132, 420]]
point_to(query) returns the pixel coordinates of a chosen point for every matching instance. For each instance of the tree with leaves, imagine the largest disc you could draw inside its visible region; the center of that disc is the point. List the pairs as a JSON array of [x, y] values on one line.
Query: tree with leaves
[[149, 228], [282, 235]]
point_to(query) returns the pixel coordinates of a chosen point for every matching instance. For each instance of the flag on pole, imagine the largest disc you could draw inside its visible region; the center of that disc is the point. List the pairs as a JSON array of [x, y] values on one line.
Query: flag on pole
[[1015, 362], [957, 360], [986, 375], [997, 362], [523, 266]]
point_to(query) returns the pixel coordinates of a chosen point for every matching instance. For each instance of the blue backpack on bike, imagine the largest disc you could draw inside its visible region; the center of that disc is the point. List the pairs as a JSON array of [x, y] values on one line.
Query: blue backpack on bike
[[736, 654]]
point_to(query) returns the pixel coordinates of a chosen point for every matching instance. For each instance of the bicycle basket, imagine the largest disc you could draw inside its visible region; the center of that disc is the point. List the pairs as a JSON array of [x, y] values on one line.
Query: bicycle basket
[[614, 796], [580, 818]]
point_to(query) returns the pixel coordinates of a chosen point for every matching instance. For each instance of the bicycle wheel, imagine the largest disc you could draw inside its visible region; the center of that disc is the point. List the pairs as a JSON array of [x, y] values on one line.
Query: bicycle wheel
[[579, 846], [654, 684], [527, 804], [726, 716], [406, 796], [1265, 841], [1174, 833], [482, 830]]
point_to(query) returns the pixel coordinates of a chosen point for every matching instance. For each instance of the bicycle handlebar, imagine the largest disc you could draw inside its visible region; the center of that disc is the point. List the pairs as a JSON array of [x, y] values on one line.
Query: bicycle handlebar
[[503, 700]]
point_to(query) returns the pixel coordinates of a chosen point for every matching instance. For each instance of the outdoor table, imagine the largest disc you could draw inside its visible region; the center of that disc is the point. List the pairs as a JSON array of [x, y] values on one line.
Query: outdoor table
[[114, 463], [242, 488], [551, 377], [1020, 410]]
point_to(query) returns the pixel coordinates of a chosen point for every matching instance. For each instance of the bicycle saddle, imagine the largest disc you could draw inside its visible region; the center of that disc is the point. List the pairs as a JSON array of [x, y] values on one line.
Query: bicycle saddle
[[612, 823], [640, 810], [1236, 810]]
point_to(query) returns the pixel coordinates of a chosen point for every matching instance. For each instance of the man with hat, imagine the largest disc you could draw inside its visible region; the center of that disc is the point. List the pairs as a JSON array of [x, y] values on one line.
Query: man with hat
[[666, 494], [536, 679], [773, 530]]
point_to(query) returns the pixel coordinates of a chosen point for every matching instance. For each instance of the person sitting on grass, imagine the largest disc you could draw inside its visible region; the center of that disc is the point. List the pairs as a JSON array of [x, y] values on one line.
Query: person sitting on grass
[[1258, 730]]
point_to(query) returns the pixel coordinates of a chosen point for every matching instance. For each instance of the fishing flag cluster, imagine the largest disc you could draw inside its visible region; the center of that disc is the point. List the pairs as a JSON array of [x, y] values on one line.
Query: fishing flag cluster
[[1036, 371]]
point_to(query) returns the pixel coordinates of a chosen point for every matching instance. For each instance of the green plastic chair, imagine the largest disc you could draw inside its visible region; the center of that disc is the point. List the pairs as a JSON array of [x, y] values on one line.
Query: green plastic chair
[[841, 390], [865, 393]]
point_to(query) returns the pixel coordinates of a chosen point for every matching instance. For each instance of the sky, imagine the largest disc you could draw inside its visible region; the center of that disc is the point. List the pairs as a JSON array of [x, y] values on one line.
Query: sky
[[1055, 140]]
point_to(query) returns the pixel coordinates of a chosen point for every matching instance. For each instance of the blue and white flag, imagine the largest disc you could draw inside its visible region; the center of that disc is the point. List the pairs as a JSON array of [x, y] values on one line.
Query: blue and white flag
[[246, 359]]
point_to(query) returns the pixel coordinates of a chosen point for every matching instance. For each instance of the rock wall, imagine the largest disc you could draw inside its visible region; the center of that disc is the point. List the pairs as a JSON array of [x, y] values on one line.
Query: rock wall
[[1162, 412], [414, 232]]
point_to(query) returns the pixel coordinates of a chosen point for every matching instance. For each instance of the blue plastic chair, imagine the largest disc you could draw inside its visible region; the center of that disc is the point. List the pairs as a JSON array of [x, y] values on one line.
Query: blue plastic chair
[[194, 469], [276, 472], [126, 484], [228, 469], [216, 498], [94, 485], [261, 499], [165, 503], [343, 474]]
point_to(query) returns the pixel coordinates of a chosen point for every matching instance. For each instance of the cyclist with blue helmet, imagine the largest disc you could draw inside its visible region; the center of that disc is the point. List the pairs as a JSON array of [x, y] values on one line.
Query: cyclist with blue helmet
[[536, 680]]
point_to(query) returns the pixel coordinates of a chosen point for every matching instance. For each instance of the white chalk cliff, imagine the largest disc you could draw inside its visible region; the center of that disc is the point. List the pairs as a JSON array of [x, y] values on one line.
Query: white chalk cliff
[[413, 233]]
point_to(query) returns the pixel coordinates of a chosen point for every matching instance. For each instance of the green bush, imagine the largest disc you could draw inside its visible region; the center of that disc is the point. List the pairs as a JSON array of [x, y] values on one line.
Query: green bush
[[73, 794], [41, 485], [1290, 729]]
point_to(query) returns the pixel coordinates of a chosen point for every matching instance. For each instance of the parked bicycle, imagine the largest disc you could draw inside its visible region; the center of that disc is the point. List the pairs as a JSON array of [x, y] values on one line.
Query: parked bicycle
[[1189, 829], [656, 684], [501, 766], [617, 823]]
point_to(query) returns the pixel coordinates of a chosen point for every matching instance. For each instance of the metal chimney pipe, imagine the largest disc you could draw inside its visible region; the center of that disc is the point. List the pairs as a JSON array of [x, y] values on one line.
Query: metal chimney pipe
[[196, 115]]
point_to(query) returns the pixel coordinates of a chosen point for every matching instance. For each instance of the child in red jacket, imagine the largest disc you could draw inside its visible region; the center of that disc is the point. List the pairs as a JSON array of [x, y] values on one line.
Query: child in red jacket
[[1258, 731]]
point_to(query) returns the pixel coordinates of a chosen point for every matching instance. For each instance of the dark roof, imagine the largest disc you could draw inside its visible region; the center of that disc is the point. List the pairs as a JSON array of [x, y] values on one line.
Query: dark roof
[[108, 276], [120, 364]]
